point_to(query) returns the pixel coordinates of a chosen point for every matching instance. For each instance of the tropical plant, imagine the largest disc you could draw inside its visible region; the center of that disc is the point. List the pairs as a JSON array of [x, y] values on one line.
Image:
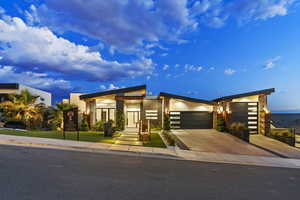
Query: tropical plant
[[84, 124], [98, 126], [167, 122], [57, 115], [221, 125], [22, 107], [120, 120]]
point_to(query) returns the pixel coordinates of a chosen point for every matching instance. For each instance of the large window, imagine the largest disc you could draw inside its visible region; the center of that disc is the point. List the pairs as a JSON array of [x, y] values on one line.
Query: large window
[[105, 114]]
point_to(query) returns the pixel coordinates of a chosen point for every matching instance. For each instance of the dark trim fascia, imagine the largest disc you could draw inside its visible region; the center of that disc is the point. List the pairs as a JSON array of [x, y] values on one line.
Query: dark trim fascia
[[163, 94], [110, 92], [236, 96], [9, 86]]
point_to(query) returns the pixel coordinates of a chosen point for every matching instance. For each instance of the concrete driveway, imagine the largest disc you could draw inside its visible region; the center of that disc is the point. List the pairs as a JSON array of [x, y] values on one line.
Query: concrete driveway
[[210, 140]]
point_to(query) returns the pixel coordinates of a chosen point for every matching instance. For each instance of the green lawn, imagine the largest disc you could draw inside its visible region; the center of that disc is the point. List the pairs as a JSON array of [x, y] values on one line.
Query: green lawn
[[83, 136], [156, 141], [87, 136]]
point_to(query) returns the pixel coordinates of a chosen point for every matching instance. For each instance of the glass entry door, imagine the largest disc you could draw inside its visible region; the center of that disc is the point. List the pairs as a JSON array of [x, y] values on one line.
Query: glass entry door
[[133, 118]]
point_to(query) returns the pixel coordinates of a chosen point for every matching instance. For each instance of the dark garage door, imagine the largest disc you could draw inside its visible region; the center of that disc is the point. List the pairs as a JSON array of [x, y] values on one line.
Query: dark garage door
[[196, 120]]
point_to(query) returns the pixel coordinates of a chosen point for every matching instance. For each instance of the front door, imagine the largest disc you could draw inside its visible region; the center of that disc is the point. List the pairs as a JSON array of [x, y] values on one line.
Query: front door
[[133, 118]]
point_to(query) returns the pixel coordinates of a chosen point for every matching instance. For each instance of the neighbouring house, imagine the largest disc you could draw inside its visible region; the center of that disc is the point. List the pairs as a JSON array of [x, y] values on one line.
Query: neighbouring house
[[185, 112], [16, 88]]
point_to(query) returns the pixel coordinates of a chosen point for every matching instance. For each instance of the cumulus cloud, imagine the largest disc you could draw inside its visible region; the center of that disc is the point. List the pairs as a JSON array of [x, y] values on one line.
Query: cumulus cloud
[[215, 13], [44, 49], [115, 22], [37, 80], [121, 24], [260, 9], [271, 63], [229, 71]]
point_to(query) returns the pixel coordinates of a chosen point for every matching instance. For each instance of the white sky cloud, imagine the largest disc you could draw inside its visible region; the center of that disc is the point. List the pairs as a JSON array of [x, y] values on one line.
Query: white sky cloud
[[229, 71], [271, 63], [37, 80], [166, 67], [51, 53], [194, 68]]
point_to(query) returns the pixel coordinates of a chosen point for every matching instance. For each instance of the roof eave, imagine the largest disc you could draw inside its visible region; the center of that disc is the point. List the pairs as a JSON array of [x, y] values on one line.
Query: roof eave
[[111, 92], [254, 93], [190, 99]]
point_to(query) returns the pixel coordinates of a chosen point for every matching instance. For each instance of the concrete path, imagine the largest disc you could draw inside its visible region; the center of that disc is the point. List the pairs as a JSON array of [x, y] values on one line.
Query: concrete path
[[138, 151], [210, 140], [129, 137], [275, 146]]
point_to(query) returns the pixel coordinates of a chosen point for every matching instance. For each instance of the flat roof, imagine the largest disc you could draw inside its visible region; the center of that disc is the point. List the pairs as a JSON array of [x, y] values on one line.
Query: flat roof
[[247, 94], [110, 92], [195, 100]]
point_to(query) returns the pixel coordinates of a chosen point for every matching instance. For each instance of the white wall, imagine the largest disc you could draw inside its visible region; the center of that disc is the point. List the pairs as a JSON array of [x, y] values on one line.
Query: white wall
[[106, 103], [44, 97], [179, 105], [246, 99], [75, 99]]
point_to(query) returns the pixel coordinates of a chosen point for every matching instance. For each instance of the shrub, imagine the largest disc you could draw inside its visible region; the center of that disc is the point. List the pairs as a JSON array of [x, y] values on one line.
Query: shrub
[[84, 125], [14, 123], [239, 130], [221, 126], [284, 135], [120, 120], [98, 126], [155, 127], [167, 122]]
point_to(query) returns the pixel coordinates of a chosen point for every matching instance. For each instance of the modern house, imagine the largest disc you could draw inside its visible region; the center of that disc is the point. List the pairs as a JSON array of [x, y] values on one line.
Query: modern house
[[185, 112], [16, 88]]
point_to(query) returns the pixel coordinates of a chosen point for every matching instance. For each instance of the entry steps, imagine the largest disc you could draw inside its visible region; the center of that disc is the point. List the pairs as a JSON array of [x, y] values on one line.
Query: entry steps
[[129, 137]]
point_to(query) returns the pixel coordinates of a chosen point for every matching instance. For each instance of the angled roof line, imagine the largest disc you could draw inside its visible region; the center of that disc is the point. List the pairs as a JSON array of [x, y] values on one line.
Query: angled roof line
[[164, 94], [9, 86], [247, 94], [116, 91]]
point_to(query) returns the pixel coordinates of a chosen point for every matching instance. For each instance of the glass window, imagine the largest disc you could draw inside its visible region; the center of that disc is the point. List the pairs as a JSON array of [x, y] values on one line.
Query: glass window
[[105, 114]]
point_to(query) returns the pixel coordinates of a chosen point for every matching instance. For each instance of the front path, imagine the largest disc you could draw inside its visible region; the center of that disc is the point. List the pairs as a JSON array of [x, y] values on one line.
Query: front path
[[129, 136], [275, 146]]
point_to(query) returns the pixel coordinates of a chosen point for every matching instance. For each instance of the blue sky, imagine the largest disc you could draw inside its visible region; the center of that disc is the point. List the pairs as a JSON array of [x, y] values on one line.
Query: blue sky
[[198, 48]]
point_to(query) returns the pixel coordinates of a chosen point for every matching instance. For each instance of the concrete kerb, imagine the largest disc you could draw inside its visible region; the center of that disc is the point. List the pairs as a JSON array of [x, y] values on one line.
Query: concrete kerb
[[149, 152]]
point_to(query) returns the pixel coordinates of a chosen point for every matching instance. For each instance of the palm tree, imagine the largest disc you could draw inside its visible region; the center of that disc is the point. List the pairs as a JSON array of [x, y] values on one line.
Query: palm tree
[[57, 115], [22, 107]]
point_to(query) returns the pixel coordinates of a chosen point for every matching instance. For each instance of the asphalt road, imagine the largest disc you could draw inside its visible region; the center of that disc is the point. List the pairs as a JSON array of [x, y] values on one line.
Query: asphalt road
[[42, 174]]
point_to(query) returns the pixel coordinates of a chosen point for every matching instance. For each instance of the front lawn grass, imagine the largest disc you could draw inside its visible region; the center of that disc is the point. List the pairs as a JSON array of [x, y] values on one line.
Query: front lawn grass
[[87, 136], [155, 141]]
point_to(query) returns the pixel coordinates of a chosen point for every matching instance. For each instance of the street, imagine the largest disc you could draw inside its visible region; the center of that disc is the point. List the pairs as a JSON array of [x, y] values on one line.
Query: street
[[35, 174]]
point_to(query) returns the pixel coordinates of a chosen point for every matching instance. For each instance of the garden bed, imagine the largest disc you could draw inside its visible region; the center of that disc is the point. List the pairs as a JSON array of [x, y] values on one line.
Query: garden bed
[[155, 141], [286, 135]]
